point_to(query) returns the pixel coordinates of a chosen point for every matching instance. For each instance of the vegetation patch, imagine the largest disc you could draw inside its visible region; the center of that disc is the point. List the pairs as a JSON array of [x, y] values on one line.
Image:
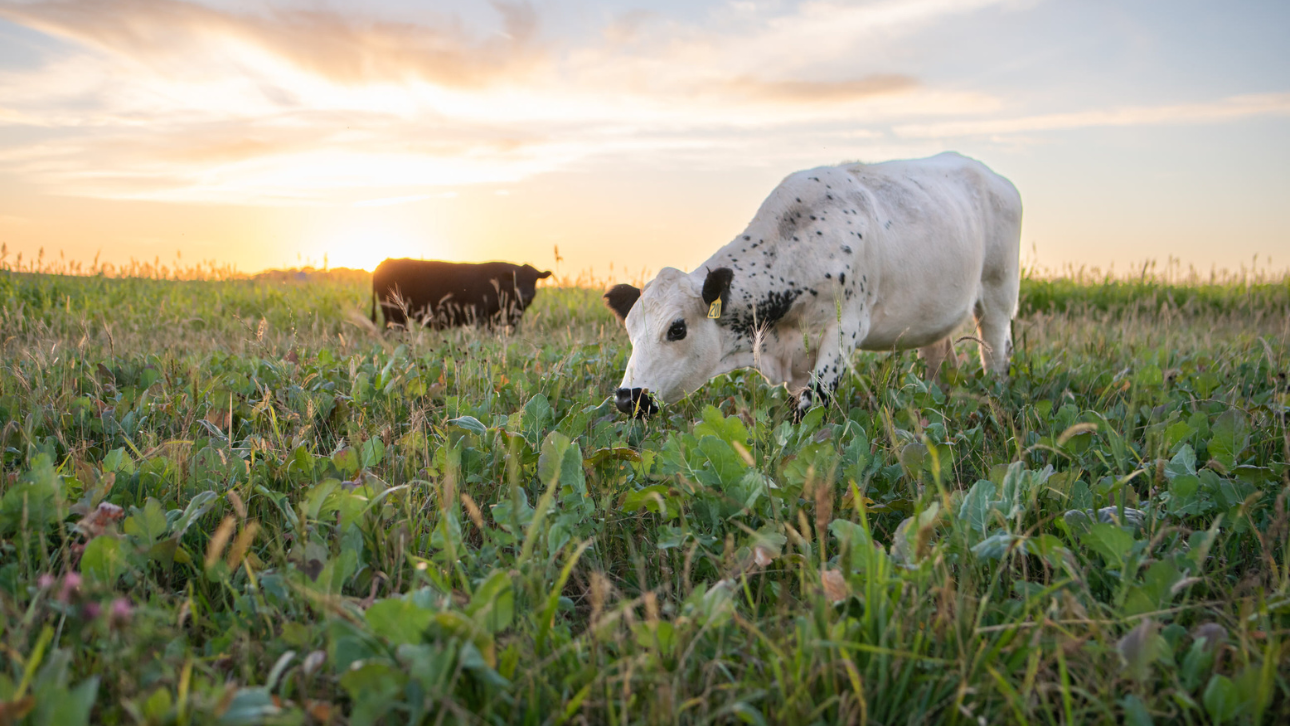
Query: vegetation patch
[[235, 501]]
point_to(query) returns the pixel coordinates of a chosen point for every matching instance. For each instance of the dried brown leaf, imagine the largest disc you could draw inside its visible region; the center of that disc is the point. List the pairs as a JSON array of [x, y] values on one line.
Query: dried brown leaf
[[835, 586]]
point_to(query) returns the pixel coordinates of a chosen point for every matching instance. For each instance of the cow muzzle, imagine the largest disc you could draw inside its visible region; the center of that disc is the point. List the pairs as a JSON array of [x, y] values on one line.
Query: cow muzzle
[[635, 402]]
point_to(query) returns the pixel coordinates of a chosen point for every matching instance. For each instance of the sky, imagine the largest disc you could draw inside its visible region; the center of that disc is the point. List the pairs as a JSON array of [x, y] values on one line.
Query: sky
[[629, 135]]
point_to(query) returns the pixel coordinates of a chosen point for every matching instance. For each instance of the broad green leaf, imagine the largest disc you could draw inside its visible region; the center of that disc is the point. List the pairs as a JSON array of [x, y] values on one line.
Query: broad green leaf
[[147, 524], [37, 501], [978, 506], [1155, 592], [656, 499], [103, 560], [1229, 438], [197, 506], [855, 540], [398, 620], [347, 644], [536, 418], [493, 604], [157, 705], [318, 499], [816, 459], [722, 467], [1184, 495], [1148, 376], [1135, 712], [118, 461], [1183, 463], [373, 688], [71, 707], [561, 459], [507, 516], [1178, 431], [430, 664], [715, 606], [1108, 540], [772, 543], [730, 429], [346, 462], [249, 706], [995, 546], [469, 423], [1222, 701], [372, 452]]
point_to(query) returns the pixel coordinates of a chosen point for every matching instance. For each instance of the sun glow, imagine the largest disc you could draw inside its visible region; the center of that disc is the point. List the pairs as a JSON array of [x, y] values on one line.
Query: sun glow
[[365, 249]]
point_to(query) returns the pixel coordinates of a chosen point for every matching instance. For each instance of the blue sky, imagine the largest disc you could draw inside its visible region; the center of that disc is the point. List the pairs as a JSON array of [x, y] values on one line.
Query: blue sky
[[633, 134]]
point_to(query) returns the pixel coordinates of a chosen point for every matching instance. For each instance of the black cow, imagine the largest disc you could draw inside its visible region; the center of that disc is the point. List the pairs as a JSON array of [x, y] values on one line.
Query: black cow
[[447, 294]]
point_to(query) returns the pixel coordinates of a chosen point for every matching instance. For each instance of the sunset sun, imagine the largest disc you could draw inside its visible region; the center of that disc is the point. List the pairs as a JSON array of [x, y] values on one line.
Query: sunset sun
[[363, 249]]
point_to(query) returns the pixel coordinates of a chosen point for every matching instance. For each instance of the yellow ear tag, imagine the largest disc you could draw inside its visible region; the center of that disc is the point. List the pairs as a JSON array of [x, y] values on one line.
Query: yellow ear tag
[[714, 311]]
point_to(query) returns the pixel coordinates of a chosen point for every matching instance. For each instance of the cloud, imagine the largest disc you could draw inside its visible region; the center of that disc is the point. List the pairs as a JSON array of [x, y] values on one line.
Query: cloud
[[822, 91], [175, 36], [1228, 109], [406, 199], [175, 100]]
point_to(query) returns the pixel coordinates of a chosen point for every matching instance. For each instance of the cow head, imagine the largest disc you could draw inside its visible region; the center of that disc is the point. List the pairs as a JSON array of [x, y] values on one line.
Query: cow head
[[676, 345], [526, 278]]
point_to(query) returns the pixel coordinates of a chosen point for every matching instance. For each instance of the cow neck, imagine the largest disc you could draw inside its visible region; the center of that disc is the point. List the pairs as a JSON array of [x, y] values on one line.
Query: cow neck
[[736, 353]]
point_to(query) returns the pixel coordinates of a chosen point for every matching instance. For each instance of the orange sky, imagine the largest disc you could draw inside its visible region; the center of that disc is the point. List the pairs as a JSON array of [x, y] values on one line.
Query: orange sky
[[626, 136]]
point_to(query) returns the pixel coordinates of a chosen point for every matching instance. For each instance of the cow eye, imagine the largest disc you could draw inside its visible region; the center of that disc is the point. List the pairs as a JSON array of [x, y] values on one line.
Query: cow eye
[[677, 330]]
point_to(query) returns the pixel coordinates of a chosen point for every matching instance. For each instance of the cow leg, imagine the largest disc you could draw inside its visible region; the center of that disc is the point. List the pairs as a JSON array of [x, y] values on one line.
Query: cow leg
[[836, 347], [936, 354], [394, 316], [993, 314]]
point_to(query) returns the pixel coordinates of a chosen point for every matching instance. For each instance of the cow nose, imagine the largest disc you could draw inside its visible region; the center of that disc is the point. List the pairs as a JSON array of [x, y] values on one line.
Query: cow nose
[[635, 402]]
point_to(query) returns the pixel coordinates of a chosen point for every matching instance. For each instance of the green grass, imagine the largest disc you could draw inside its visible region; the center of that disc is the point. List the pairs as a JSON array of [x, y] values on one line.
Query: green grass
[[319, 523]]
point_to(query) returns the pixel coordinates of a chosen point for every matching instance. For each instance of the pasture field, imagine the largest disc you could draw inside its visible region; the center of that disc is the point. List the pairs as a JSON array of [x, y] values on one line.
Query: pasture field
[[229, 501]]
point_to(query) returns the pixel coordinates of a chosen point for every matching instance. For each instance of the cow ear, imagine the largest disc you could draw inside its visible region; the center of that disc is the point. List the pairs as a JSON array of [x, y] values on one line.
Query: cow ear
[[621, 298], [544, 275], [717, 285]]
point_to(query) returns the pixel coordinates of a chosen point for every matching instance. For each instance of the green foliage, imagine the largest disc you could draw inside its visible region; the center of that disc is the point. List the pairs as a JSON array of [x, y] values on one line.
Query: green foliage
[[234, 502]]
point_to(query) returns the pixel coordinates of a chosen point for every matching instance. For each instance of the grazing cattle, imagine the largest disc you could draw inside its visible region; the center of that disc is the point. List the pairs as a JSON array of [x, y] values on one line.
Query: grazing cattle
[[447, 294], [884, 256]]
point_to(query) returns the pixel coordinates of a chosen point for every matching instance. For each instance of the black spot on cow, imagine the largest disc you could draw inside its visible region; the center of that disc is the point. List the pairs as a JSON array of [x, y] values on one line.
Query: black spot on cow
[[788, 223], [448, 294], [842, 279], [767, 311]]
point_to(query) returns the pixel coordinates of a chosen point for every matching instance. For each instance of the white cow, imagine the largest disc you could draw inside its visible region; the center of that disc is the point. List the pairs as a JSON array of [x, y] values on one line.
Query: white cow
[[884, 256]]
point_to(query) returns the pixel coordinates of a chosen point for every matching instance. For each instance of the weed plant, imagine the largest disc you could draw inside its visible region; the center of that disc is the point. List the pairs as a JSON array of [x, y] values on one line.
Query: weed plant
[[236, 501]]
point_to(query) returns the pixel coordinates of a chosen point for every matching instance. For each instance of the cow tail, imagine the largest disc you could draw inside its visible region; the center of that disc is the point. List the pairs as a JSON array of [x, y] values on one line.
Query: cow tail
[[373, 304]]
